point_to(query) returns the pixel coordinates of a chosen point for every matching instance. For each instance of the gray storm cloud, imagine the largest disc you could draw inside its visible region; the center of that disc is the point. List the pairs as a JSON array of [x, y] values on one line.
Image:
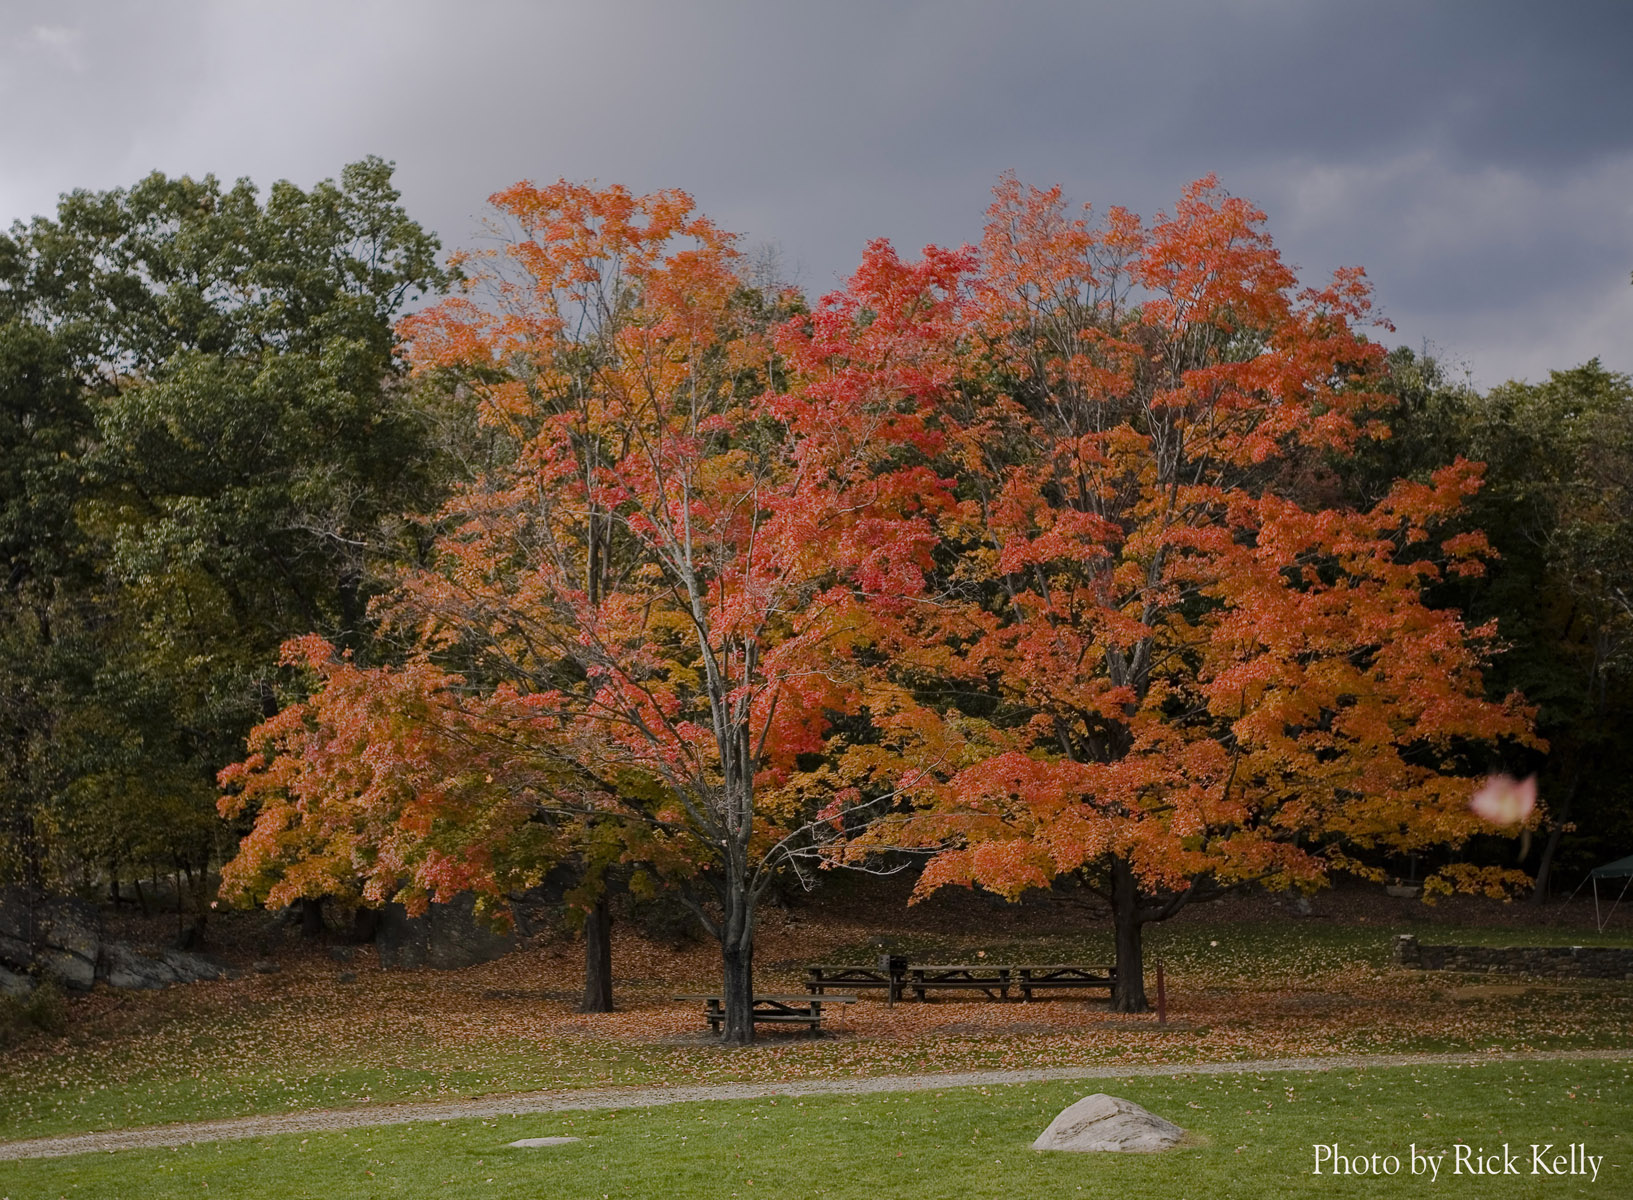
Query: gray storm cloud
[[1475, 157]]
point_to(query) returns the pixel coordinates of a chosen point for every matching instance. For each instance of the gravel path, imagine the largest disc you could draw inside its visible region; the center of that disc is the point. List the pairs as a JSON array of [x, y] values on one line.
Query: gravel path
[[542, 1102]]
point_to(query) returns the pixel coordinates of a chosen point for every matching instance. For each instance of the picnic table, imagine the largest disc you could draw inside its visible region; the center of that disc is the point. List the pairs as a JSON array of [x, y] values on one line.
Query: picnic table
[[993, 979], [1063, 975], [821, 976], [802, 1009]]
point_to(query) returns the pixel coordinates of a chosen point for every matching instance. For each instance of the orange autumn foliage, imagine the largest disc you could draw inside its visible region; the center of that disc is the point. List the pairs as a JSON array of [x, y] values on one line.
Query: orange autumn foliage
[[1030, 536], [642, 597], [1169, 671]]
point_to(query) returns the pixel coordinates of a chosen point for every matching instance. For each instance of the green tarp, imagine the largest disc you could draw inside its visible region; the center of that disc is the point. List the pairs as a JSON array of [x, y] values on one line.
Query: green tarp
[[1619, 869]]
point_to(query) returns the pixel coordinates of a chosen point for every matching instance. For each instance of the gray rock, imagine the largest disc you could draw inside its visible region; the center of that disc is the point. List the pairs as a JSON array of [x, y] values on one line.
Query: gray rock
[[539, 1143], [448, 936], [124, 967], [1102, 1122], [346, 977], [60, 938], [193, 968], [18, 987], [15, 953], [343, 954], [56, 936], [1296, 903], [265, 966]]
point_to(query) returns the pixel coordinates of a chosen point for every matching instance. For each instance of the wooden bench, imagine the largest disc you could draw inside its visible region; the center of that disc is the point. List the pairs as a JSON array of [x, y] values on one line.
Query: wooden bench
[[790, 1010]]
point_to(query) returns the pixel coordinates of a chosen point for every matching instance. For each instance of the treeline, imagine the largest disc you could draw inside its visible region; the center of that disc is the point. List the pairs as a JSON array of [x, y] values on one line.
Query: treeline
[[209, 445], [1557, 507]]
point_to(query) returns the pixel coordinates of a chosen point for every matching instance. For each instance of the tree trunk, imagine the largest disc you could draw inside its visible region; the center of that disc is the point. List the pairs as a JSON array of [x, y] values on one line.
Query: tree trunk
[[738, 956], [365, 924], [311, 916], [598, 958], [1128, 991], [1557, 823]]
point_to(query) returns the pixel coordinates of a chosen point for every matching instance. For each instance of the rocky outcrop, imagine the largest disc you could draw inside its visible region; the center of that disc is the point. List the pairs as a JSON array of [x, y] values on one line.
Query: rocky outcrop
[[56, 937], [60, 938], [448, 936], [1102, 1122], [1593, 962], [14, 986], [123, 967]]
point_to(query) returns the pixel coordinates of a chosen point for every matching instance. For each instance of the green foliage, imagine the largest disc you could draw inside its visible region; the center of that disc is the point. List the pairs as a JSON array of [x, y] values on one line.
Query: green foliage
[[1561, 466], [205, 446], [1557, 506]]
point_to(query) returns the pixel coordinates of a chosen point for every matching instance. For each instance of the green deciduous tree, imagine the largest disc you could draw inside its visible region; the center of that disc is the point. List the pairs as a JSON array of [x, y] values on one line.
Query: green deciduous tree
[[245, 451]]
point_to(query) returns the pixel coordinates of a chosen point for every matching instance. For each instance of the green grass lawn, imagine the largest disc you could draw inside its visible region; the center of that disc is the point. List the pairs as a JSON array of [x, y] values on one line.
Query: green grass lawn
[[1256, 1136], [187, 1057]]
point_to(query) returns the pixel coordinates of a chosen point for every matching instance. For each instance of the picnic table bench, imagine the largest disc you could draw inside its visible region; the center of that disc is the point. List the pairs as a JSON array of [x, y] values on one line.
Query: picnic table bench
[[993, 979], [803, 1009]]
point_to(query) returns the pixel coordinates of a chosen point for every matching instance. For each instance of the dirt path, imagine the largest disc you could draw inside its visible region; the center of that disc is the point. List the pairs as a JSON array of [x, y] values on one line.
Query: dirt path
[[326, 1120]]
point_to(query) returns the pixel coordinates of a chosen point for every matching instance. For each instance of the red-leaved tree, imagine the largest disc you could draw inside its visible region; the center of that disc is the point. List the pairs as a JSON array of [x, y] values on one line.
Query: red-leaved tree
[[1171, 673], [642, 599]]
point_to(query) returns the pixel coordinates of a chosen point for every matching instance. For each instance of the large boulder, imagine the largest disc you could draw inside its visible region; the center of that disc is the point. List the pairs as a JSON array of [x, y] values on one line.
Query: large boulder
[[193, 968], [14, 986], [124, 967], [1102, 1122], [446, 937], [58, 936]]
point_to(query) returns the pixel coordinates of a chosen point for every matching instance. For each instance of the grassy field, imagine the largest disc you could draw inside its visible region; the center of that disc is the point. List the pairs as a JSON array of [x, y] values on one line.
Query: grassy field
[[302, 1040], [1254, 1136]]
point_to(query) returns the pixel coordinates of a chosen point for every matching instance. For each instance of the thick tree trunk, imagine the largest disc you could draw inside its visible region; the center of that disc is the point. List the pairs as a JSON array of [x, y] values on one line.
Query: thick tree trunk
[[365, 924], [1128, 991], [598, 958], [311, 916], [738, 960]]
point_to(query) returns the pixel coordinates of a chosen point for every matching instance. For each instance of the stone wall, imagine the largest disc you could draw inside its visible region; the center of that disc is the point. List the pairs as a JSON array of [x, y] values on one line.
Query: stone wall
[[1596, 962]]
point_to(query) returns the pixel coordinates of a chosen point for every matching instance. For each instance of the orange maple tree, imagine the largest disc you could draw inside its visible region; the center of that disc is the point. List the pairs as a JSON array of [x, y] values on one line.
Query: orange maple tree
[[1171, 673], [640, 599], [1030, 537]]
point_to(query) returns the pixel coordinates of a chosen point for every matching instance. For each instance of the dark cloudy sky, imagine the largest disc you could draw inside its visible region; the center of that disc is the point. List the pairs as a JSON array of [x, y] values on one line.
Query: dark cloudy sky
[[1476, 157]]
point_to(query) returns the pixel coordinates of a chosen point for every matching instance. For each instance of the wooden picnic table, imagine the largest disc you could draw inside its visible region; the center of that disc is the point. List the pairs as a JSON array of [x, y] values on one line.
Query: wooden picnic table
[[993, 979], [804, 1009], [821, 976], [1063, 975]]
